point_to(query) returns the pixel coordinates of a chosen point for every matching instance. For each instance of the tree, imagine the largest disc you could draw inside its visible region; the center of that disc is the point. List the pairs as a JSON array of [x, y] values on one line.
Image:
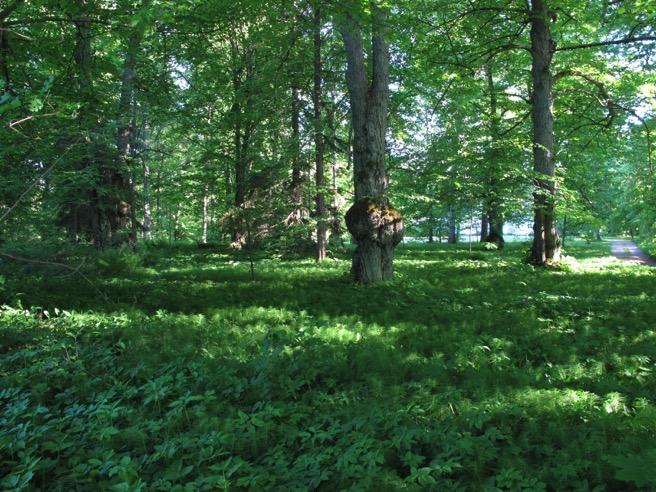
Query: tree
[[320, 172], [546, 243], [376, 226]]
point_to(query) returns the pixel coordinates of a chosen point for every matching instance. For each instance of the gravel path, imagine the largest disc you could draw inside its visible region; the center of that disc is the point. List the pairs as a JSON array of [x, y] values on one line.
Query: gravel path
[[627, 250]]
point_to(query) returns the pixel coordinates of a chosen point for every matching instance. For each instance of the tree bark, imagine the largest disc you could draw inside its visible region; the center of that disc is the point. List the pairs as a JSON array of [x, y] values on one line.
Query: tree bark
[[147, 218], [88, 217], [335, 239], [453, 225], [546, 243], [320, 179], [243, 130], [493, 195], [4, 45], [296, 216], [376, 227], [205, 219], [484, 226], [125, 195]]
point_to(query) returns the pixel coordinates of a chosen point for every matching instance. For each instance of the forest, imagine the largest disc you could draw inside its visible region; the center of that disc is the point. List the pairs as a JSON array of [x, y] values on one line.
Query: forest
[[328, 245]]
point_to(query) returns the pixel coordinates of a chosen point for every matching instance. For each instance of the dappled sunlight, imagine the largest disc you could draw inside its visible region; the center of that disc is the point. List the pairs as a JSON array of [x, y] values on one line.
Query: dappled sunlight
[[486, 356], [603, 264]]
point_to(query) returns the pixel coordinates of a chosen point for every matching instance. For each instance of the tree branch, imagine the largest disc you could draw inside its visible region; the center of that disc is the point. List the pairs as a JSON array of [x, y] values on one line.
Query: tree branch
[[607, 43]]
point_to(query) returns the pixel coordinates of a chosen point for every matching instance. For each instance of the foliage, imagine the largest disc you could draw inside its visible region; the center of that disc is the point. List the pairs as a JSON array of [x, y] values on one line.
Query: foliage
[[492, 376]]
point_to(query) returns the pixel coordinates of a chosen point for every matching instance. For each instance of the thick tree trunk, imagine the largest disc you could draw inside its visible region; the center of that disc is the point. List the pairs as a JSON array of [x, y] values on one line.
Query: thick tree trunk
[[320, 180], [453, 225], [484, 226], [376, 227], [89, 217], [124, 190], [546, 243], [496, 228]]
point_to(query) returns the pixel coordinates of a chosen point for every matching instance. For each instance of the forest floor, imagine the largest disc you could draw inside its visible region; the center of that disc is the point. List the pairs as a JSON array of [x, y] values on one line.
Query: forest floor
[[467, 372], [629, 251]]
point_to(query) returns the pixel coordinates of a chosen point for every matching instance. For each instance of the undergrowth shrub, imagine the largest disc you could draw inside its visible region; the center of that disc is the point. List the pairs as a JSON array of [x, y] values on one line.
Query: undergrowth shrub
[[118, 261]]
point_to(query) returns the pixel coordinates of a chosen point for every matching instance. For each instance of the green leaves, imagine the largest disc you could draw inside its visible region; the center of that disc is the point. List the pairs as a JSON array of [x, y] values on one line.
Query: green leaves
[[638, 469]]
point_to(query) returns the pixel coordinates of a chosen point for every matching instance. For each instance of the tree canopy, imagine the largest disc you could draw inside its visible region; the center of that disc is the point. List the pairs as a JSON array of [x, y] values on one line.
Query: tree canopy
[[215, 120]]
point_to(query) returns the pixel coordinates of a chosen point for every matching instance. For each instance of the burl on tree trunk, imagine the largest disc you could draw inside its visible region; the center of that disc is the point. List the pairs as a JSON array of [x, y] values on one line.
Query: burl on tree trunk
[[377, 229]]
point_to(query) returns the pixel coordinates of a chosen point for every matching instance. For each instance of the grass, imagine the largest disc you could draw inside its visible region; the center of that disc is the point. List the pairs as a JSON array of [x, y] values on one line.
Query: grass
[[464, 373]]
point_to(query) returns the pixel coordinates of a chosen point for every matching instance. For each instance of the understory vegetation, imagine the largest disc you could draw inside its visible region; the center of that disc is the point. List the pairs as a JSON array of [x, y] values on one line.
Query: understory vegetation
[[466, 372], [649, 246]]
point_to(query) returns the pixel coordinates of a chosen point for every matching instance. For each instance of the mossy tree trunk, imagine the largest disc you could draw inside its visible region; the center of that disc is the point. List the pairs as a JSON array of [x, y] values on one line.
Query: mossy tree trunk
[[376, 227]]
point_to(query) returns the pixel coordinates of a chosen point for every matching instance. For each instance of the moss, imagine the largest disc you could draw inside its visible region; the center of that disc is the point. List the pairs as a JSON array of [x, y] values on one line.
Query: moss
[[370, 219]]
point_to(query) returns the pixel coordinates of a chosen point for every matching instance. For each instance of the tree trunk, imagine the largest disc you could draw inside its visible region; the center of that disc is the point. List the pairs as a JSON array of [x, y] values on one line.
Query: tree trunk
[[484, 226], [205, 219], [295, 217], [335, 239], [124, 137], [493, 197], [319, 141], [376, 227], [89, 217], [4, 45], [243, 131], [546, 243], [158, 199], [336, 221], [147, 220], [240, 174], [453, 225]]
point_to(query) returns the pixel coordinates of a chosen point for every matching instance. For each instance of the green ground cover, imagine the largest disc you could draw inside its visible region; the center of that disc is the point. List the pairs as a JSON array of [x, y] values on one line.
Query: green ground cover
[[464, 373], [648, 245]]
